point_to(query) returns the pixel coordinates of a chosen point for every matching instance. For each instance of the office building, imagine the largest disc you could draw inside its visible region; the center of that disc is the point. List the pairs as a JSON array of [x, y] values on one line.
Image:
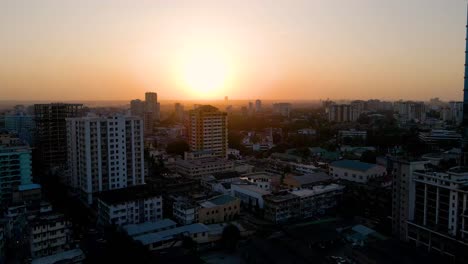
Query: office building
[[207, 130], [15, 167], [104, 153], [429, 207], [133, 205], [51, 132]]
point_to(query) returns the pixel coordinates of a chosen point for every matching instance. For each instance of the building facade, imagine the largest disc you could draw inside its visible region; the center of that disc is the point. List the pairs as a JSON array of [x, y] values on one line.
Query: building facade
[[50, 234], [356, 171], [219, 209], [133, 205], [104, 153], [51, 132], [15, 167], [207, 130]]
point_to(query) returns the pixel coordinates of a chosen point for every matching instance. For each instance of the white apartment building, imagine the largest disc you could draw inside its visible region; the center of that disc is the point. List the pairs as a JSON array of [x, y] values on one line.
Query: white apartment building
[[104, 153], [50, 234], [356, 171], [133, 205]]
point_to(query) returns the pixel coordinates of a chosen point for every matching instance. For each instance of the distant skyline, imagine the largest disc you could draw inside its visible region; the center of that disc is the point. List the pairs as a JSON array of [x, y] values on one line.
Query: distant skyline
[[191, 50]]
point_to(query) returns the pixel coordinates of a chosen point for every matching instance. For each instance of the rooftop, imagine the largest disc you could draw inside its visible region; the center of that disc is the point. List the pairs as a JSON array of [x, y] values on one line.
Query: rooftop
[[353, 165], [171, 233], [252, 188], [120, 196], [312, 178], [59, 257], [146, 227], [27, 187], [218, 200]]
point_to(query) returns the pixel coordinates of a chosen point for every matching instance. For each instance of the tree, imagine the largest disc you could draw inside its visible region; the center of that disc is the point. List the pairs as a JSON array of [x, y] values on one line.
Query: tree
[[230, 237], [177, 147], [369, 156]]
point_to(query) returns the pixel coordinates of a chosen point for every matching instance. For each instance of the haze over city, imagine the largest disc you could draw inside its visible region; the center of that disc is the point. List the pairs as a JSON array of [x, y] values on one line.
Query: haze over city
[[185, 50], [222, 132]]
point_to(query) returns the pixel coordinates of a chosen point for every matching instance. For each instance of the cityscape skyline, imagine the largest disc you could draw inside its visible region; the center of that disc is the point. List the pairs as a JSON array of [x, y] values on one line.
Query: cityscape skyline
[[244, 50]]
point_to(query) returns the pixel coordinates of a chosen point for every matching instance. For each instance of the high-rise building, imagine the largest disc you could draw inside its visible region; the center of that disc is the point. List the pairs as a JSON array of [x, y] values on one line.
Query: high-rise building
[[403, 196], [152, 111], [251, 108], [456, 112], [51, 131], [207, 130], [137, 107], [22, 124], [464, 159], [104, 153], [284, 109], [15, 167], [258, 106], [179, 112], [439, 215], [410, 111], [341, 113]]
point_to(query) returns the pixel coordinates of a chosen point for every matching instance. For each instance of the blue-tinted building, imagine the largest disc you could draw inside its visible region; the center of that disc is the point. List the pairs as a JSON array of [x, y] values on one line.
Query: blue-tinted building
[[15, 166], [21, 124]]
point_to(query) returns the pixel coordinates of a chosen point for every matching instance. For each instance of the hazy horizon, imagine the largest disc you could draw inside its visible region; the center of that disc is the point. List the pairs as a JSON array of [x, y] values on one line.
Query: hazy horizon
[[192, 50]]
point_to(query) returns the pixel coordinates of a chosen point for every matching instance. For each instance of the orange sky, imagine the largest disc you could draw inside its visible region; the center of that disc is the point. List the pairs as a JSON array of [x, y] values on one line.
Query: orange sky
[[117, 50]]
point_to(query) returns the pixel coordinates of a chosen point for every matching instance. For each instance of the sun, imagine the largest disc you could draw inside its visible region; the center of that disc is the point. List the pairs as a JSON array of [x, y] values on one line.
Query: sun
[[205, 73]]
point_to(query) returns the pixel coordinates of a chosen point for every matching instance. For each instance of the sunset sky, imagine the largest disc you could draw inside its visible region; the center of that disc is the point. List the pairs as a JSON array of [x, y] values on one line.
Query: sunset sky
[[311, 49]]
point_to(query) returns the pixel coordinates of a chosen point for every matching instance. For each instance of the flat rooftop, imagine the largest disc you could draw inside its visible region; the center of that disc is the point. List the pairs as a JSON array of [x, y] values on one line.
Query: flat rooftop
[[146, 227], [218, 200]]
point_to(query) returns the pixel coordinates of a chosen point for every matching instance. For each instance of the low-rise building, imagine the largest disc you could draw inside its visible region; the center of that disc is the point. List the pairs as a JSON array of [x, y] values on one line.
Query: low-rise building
[[132, 205], [281, 207], [318, 200], [352, 134], [185, 211], [250, 195], [307, 180], [135, 230], [356, 171], [72, 256], [301, 203], [174, 237], [197, 168], [50, 234], [218, 209], [263, 180]]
